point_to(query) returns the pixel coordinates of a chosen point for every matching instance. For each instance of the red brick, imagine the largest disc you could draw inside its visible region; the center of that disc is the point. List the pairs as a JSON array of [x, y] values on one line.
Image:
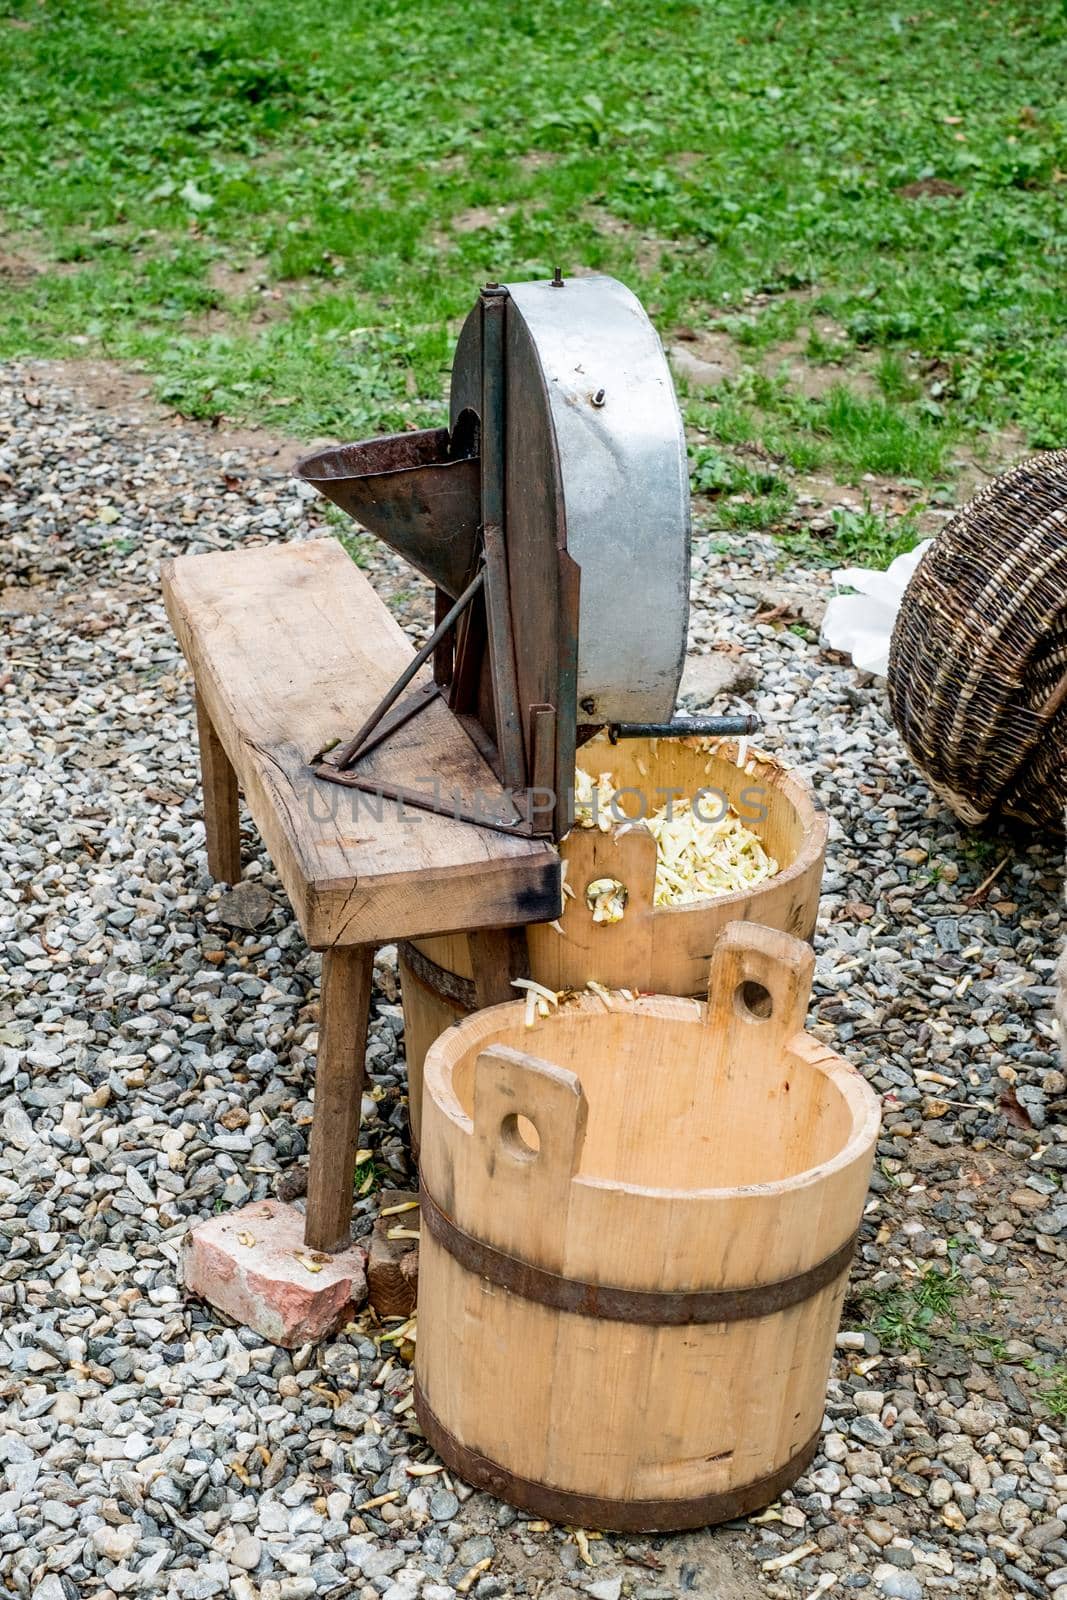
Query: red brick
[[252, 1265]]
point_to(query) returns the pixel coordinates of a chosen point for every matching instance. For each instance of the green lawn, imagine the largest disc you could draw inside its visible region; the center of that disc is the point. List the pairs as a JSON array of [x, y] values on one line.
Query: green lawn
[[282, 210]]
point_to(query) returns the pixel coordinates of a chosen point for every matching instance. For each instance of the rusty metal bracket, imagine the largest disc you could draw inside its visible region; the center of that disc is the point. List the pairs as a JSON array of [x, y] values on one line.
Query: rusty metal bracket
[[667, 1308], [362, 741], [421, 800], [439, 981]]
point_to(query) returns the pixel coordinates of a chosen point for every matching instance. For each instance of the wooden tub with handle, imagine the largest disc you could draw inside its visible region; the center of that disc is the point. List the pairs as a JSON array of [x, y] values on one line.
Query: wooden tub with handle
[[654, 949], [637, 1223]]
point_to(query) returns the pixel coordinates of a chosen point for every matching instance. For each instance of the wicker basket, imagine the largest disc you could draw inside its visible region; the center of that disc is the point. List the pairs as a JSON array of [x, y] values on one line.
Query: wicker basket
[[978, 662]]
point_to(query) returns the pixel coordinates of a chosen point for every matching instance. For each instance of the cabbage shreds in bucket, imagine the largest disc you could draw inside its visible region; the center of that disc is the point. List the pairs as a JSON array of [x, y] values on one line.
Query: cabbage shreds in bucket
[[699, 854], [592, 800], [697, 859]]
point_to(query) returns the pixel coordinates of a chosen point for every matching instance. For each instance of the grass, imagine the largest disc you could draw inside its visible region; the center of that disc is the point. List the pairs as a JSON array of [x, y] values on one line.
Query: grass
[[909, 1315], [282, 211], [745, 496], [1054, 1394], [370, 1174], [867, 538], [904, 1315]]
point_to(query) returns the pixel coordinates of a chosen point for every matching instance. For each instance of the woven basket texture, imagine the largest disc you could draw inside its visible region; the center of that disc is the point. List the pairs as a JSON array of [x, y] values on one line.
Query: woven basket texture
[[978, 661]]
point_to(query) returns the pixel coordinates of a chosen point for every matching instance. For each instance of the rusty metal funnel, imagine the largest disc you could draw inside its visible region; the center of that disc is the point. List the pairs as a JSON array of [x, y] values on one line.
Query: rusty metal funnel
[[420, 492]]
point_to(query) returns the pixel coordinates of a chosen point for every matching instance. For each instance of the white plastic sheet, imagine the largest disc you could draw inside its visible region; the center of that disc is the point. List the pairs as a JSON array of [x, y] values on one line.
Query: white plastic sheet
[[861, 625]]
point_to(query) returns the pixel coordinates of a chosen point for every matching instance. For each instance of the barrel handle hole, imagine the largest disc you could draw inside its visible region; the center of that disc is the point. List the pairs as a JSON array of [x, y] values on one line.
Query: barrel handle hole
[[754, 1000], [520, 1138]]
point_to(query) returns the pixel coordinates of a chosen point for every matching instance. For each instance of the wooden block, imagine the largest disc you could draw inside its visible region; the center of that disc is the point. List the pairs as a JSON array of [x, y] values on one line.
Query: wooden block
[[291, 648], [393, 1264]]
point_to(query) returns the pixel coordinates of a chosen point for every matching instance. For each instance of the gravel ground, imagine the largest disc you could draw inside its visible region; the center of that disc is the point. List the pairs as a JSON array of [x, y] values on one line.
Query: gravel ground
[[157, 1063]]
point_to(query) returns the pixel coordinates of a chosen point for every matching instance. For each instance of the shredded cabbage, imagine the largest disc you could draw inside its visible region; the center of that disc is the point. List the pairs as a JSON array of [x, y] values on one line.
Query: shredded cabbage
[[697, 857], [592, 801], [606, 899]]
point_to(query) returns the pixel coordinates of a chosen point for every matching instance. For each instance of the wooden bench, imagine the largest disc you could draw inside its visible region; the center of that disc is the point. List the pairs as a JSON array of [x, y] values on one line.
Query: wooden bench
[[290, 648]]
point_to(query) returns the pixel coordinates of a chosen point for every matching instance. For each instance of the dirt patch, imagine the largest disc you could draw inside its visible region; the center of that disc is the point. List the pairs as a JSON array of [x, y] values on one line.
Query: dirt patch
[[273, 156], [537, 160], [815, 382], [206, 323], [18, 268], [824, 493], [711, 1562], [451, 164], [476, 219], [16, 601], [704, 359], [821, 493], [234, 281], [269, 454], [27, 262], [975, 468], [23, 257], [104, 384], [272, 305], [230, 283], [931, 189], [479, 217], [800, 598], [826, 330], [648, 250], [87, 610]]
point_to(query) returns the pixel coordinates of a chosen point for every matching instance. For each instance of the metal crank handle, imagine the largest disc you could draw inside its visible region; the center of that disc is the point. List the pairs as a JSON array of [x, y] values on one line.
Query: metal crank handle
[[687, 727]]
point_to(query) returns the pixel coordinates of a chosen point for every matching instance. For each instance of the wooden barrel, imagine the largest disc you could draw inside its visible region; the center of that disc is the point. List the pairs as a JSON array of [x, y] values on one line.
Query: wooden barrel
[[637, 1222], [661, 950]]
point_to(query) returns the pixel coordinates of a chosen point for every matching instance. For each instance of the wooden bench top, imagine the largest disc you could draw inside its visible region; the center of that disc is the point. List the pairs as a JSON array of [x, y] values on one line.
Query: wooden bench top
[[290, 648]]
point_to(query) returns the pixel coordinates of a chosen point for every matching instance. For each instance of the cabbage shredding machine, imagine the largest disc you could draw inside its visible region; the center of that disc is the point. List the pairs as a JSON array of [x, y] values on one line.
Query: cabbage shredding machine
[[552, 517]]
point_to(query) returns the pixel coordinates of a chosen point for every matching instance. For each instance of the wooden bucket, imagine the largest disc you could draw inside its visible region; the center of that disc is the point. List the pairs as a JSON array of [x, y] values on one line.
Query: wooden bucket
[[659, 950], [637, 1223]]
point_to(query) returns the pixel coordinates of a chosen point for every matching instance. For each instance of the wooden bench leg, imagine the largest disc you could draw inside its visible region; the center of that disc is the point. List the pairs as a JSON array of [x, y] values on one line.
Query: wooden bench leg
[[497, 955], [221, 822], [343, 1012]]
